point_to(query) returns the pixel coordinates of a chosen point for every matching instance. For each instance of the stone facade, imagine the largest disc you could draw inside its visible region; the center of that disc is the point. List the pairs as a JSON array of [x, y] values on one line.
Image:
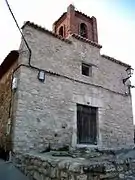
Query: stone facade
[[46, 112], [43, 114]]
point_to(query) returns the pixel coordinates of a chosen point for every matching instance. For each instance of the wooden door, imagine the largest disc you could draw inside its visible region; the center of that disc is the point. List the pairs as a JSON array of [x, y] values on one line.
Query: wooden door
[[86, 125]]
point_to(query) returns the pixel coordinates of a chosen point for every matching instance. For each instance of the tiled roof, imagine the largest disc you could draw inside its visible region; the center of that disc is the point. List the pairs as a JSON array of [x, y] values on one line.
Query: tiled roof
[[60, 17], [86, 40], [45, 30], [115, 60], [60, 37], [83, 14], [66, 13], [77, 37]]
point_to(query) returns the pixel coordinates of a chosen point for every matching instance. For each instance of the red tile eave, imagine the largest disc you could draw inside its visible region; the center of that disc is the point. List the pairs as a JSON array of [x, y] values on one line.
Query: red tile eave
[[115, 60], [82, 14], [75, 36], [62, 16], [8, 62], [86, 40], [35, 26]]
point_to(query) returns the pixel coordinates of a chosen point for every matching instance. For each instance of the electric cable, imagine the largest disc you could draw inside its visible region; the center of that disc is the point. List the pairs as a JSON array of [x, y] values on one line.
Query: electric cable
[[19, 29]]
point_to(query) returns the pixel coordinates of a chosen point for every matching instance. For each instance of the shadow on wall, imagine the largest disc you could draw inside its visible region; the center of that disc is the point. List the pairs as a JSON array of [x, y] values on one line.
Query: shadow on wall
[[4, 154], [134, 134]]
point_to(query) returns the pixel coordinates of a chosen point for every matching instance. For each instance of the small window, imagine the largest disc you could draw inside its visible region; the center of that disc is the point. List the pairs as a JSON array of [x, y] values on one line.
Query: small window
[[86, 69], [61, 31], [86, 124]]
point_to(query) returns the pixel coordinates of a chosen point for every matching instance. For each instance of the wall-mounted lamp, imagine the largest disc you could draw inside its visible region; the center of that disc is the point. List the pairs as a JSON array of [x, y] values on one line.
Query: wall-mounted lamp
[[129, 71], [41, 75]]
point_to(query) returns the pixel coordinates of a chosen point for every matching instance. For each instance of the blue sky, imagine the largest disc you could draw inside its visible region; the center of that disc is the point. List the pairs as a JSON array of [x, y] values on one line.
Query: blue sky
[[115, 19], [126, 7], [123, 8]]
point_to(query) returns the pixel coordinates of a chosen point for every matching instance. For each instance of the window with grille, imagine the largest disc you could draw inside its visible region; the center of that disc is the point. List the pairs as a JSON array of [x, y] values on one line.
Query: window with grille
[[86, 125]]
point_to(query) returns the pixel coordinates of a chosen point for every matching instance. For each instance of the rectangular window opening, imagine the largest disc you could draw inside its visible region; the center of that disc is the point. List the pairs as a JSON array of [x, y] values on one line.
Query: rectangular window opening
[[86, 125], [86, 69]]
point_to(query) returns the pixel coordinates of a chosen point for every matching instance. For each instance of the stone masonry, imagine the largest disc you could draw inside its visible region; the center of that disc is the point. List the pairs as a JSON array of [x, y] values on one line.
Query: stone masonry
[[83, 165], [46, 112], [43, 115]]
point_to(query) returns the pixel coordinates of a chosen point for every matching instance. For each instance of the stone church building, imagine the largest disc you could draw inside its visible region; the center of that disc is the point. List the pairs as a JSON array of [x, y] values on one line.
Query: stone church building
[[61, 92]]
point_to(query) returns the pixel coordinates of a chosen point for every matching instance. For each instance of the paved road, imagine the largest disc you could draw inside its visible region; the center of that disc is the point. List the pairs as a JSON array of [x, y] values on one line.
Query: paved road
[[9, 172]]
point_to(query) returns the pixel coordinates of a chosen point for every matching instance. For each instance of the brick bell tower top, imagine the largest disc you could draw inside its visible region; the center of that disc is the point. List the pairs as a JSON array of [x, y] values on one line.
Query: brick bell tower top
[[75, 22]]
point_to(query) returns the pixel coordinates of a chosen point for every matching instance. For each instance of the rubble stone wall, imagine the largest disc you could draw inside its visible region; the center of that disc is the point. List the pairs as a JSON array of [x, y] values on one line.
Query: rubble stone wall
[[48, 167], [5, 104]]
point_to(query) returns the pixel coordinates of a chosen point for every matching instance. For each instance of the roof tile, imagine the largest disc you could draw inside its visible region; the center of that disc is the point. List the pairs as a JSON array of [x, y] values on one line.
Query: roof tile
[[87, 40], [45, 30], [115, 60]]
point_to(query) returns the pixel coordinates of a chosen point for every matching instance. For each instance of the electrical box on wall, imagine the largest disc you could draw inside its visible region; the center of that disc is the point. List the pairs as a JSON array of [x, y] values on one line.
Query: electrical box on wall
[[14, 83]]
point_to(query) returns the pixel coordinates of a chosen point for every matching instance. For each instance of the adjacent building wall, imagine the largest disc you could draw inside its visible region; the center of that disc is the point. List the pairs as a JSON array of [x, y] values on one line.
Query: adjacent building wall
[[5, 105], [46, 112]]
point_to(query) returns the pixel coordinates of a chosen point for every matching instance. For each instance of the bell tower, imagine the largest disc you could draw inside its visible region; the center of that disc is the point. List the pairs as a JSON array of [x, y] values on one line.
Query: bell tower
[[76, 22]]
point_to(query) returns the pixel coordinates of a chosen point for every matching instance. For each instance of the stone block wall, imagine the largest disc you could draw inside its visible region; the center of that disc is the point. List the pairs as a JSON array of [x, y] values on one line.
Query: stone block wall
[[52, 54], [46, 112]]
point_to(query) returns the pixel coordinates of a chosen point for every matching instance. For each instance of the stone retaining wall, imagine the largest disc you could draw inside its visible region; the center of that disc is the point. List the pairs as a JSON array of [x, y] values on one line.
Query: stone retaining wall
[[62, 166]]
